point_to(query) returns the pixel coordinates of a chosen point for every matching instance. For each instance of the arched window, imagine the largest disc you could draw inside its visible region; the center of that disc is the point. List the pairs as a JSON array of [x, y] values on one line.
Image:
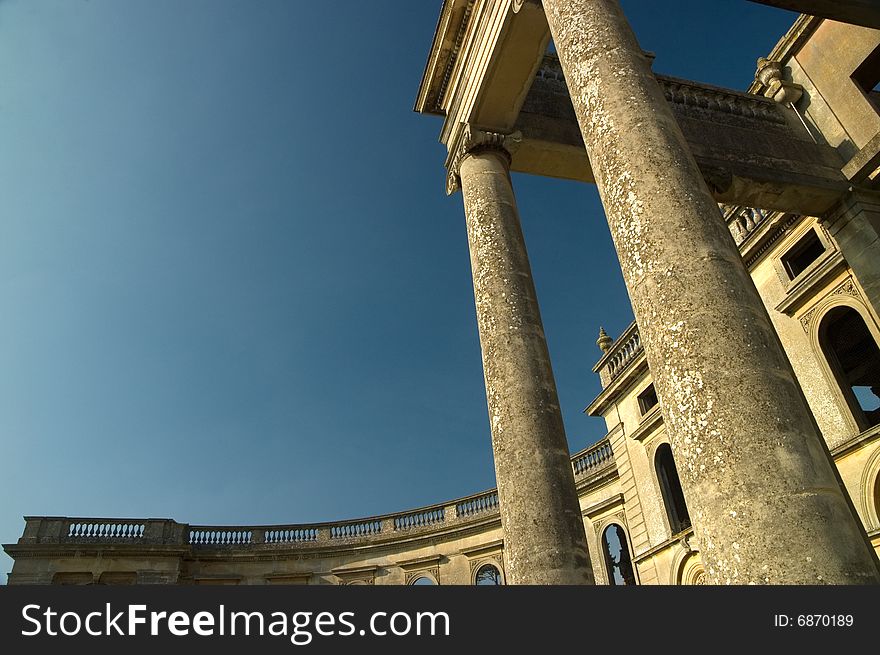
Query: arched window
[[670, 487], [424, 580], [488, 575], [854, 358], [877, 498], [618, 562]]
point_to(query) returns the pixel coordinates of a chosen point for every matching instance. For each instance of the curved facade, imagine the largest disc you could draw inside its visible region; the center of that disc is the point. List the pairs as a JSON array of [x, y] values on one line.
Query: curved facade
[[450, 543], [804, 146]]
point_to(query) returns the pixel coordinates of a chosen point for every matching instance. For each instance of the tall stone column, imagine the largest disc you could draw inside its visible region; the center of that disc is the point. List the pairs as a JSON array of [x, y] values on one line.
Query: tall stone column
[[763, 497], [544, 539]]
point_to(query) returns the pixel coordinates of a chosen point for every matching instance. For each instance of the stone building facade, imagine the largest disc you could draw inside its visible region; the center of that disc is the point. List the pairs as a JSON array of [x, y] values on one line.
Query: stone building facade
[[742, 407]]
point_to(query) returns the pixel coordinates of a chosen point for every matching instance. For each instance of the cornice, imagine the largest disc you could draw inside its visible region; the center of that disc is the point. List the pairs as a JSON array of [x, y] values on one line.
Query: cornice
[[829, 265], [634, 372], [418, 563], [605, 477], [651, 421], [858, 441], [682, 538], [17, 551], [450, 32], [759, 243], [602, 506], [482, 550]]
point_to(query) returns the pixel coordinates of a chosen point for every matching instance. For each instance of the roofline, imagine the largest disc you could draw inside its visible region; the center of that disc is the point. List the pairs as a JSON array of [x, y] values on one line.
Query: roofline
[[443, 28]]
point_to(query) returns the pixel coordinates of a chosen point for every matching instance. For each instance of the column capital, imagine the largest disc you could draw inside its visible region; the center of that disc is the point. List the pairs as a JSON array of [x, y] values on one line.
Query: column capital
[[472, 140]]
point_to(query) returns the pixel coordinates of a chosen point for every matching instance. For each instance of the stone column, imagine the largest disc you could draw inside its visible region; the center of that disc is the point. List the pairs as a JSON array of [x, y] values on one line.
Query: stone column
[[544, 541], [763, 497]]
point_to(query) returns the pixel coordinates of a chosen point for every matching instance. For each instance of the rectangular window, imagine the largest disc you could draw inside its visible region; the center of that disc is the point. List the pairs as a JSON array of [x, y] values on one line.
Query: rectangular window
[[648, 400], [802, 254]]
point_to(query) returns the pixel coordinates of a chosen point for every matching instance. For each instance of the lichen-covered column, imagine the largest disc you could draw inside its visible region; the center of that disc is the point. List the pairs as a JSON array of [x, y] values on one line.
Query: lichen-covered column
[[544, 541], [764, 499]]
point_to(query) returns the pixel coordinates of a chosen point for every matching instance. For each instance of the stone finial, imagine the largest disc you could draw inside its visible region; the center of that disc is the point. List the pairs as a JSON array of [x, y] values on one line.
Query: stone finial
[[769, 74], [604, 341], [768, 71]]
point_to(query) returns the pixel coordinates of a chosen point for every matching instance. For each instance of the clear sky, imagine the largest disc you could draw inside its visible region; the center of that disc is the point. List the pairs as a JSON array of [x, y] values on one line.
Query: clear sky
[[232, 288]]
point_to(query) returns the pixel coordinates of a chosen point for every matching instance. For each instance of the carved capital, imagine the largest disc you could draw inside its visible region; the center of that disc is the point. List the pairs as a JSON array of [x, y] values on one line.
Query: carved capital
[[473, 141]]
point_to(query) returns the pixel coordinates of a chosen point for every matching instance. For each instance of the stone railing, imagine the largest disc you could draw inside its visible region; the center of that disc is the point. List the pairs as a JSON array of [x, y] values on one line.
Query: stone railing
[[693, 95], [687, 96], [112, 531], [742, 221], [487, 502], [589, 462], [622, 353], [463, 512], [106, 530], [290, 535]]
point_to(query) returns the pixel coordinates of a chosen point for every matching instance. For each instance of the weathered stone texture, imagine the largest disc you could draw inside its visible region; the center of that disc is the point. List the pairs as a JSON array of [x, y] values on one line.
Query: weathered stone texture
[[736, 417], [753, 151], [544, 533]]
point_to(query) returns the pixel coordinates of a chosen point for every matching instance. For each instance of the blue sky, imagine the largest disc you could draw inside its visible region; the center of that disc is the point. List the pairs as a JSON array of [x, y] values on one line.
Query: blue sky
[[232, 287]]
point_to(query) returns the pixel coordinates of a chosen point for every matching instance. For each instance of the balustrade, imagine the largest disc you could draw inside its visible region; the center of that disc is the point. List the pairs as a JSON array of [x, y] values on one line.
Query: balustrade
[[451, 515]]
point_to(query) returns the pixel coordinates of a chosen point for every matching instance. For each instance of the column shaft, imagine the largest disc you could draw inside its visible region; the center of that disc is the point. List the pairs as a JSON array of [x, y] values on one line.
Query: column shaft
[[544, 539], [763, 497]]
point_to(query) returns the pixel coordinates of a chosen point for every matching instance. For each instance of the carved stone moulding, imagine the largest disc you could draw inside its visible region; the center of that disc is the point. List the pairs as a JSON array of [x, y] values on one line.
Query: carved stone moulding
[[473, 140], [847, 288], [431, 573], [421, 567], [357, 576]]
